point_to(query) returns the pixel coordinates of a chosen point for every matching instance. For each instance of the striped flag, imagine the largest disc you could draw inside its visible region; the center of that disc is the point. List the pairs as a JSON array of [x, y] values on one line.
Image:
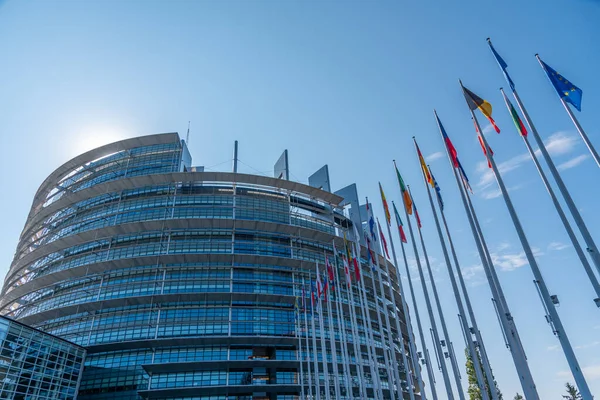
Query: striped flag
[[405, 195], [426, 172], [515, 116], [388, 217], [399, 223], [477, 103], [383, 241], [463, 176], [438, 192], [347, 271]]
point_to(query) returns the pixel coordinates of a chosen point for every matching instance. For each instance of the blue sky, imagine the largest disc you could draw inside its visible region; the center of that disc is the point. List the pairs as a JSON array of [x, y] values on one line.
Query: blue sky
[[347, 83]]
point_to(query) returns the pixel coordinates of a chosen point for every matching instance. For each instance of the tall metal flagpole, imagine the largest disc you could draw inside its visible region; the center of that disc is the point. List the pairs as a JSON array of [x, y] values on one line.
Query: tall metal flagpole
[[374, 266], [396, 365], [457, 298], [407, 369], [356, 342], [412, 349], [341, 323], [436, 340], [547, 299], [419, 325], [299, 352], [591, 246], [559, 210], [375, 376], [325, 359], [309, 372], [441, 315], [355, 335], [507, 323], [475, 329], [584, 136], [314, 339], [334, 359]]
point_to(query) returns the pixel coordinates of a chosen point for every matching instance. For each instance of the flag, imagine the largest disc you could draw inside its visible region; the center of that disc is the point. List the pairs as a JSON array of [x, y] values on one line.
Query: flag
[[405, 195], [313, 294], [484, 151], [463, 176], [565, 89], [399, 222], [502, 65], [370, 255], [386, 209], [383, 241], [423, 165], [330, 272], [475, 102], [356, 263], [347, 271], [438, 192], [371, 222], [449, 145], [325, 287], [515, 116], [417, 216], [319, 284]]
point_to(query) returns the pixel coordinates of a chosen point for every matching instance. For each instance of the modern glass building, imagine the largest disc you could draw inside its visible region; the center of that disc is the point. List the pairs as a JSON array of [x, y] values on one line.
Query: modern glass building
[[183, 284], [37, 366]]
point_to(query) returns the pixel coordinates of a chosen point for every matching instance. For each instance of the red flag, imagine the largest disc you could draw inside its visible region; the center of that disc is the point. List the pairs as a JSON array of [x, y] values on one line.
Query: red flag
[[356, 265], [347, 271], [382, 236], [484, 151], [330, 272], [402, 235], [417, 217]]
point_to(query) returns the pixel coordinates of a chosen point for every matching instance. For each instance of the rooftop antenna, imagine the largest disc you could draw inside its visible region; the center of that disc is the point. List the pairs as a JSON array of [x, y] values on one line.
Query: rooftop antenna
[[187, 136], [235, 156]]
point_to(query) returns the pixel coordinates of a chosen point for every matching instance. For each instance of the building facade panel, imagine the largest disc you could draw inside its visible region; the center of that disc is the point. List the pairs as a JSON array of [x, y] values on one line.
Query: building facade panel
[[183, 285]]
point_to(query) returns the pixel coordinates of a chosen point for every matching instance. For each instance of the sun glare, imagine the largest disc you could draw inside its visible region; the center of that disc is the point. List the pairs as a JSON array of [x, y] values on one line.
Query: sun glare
[[92, 138]]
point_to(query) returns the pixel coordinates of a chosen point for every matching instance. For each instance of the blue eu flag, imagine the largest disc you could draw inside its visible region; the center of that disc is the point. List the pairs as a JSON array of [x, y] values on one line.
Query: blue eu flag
[[565, 89]]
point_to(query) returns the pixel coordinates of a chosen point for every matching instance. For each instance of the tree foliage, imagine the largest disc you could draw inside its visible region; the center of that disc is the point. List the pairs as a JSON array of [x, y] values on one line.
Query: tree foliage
[[572, 392], [473, 390]]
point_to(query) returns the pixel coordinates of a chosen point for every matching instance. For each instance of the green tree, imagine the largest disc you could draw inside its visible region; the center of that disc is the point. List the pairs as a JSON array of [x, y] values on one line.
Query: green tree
[[518, 397], [572, 392], [473, 390]]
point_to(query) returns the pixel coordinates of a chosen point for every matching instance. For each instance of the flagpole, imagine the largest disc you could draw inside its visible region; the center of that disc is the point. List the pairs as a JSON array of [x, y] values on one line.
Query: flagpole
[[299, 352], [324, 358], [457, 298], [396, 364], [441, 315], [309, 372], [437, 343], [587, 237], [412, 350], [355, 333], [554, 318], [314, 339], [341, 323], [375, 377], [559, 210], [584, 136], [485, 361], [334, 360], [507, 323], [379, 320], [407, 369], [414, 300], [344, 335]]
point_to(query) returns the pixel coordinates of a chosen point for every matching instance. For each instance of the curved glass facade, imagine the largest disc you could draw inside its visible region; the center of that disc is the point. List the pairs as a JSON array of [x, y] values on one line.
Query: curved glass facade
[[181, 285]]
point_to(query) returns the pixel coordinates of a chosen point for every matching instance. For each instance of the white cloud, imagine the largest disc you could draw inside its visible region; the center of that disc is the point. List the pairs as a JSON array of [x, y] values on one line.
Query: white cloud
[[557, 246], [560, 143], [588, 345], [591, 372], [552, 348], [507, 261], [573, 162], [488, 129], [434, 156]]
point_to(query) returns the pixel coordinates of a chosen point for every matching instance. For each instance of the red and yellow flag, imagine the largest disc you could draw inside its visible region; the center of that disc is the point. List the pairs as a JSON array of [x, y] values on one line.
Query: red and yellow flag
[[388, 216], [405, 194], [424, 166]]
